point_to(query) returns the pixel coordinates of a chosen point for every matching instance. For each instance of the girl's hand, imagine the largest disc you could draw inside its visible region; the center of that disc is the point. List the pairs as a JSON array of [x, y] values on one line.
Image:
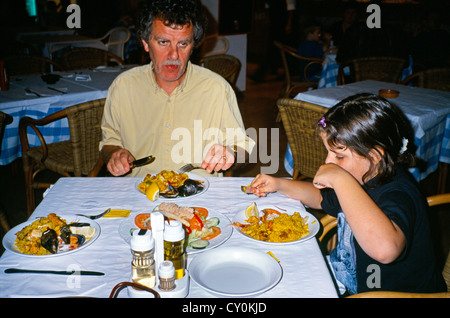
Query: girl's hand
[[327, 174], [263, 184]]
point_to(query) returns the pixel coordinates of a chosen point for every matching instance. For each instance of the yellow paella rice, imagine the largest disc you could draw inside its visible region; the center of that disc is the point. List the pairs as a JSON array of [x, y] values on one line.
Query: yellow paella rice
[[283, 228], [162, 179], [28, 240]]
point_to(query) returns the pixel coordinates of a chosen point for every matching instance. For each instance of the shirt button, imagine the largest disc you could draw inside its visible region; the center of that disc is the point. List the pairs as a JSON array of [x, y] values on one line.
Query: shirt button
[[167, 126]]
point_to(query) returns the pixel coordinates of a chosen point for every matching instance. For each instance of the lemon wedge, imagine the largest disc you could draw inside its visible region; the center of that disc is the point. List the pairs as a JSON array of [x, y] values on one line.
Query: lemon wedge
[[252, 210], [87, 231], [152, 191]]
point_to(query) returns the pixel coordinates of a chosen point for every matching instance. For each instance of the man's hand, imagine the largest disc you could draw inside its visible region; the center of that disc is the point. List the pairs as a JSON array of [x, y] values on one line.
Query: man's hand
[[118, 160], [218, 158]]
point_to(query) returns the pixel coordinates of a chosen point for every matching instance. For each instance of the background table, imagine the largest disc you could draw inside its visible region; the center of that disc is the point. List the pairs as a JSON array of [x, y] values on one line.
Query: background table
[[305, 273], [19, 103], [427, 109], [48, 43]]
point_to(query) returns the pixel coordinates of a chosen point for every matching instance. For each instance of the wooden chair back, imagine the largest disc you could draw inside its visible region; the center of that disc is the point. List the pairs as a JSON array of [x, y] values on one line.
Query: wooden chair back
[[87, 57], [77, 157], [436, 78], [225, 65], [385, 69], [300, 82], [30, 64]]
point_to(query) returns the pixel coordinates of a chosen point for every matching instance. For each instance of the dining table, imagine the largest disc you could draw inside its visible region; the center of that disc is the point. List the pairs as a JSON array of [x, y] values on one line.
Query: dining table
[[29, 95], [304, 271], [47, 43], [427, 109]]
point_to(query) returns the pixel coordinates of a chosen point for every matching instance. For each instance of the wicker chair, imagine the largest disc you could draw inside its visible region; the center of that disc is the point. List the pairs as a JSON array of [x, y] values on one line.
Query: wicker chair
[[385, 69], [87, 57], [301, 81], [300, 120], [5, 119], [225, 65], [328, 235], [30, 64], [436, 78], [78, 156]]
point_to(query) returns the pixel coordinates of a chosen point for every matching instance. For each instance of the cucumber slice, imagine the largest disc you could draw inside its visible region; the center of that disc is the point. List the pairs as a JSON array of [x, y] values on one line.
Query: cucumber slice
[[199, 244], [214, 221]]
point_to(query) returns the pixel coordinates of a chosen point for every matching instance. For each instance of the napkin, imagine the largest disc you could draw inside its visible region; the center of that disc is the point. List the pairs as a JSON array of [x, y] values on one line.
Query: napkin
[[38, 91], [115, 213], [83, 77]]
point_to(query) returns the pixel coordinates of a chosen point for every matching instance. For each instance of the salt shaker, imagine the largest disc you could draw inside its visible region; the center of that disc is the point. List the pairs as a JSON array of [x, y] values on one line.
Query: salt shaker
[[166, 276]]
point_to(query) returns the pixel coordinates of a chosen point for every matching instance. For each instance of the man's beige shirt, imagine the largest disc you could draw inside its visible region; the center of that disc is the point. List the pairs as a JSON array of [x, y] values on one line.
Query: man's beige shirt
[[177, 129]]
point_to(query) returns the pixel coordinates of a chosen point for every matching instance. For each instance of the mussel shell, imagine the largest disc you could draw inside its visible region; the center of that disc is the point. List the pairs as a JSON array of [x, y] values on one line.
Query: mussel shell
[[65, 234], [190, 187], [49, 241], [171, 192], [80, 239]]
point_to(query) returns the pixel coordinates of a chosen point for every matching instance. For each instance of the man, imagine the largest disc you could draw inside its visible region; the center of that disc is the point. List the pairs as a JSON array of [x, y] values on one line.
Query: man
[[171, 109]]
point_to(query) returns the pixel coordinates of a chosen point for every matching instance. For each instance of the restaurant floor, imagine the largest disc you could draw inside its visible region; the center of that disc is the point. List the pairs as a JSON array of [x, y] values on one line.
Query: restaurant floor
[[257, 105]]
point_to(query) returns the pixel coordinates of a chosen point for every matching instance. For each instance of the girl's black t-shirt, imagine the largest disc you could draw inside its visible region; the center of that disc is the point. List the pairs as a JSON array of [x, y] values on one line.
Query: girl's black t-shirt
[[415, 269]]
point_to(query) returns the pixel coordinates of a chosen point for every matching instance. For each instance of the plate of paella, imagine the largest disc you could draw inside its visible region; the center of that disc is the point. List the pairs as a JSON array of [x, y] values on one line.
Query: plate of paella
[[52, 235], [276, 225], [170, 185]]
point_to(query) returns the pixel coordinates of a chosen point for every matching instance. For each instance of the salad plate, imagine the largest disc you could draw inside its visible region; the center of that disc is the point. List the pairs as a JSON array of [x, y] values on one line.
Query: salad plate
[[128, 225]]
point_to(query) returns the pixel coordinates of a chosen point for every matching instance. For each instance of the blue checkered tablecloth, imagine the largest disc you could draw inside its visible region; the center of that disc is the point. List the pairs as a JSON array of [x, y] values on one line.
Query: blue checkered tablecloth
[[330, 71], [18, 104], [428, 110]]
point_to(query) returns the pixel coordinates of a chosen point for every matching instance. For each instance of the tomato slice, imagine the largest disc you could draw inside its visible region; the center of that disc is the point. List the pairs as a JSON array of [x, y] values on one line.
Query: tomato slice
[[196, 223], [202, 212], [140, 221], [216, 231]]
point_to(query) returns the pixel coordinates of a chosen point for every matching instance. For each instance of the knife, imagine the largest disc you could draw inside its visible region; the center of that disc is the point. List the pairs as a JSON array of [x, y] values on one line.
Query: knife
[[35, 271], [29, 91], [56, 90], [142, 162]]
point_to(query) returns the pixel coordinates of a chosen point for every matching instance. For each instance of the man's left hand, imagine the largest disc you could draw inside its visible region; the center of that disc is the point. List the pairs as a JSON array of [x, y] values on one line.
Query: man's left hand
[[218, 158]]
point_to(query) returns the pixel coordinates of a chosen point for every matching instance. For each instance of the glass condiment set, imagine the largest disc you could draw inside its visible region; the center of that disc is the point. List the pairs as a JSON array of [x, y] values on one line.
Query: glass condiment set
[[159, 259]]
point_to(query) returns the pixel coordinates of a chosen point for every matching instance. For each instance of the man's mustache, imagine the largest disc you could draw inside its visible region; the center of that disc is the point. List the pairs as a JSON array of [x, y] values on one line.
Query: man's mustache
[[172, 62]]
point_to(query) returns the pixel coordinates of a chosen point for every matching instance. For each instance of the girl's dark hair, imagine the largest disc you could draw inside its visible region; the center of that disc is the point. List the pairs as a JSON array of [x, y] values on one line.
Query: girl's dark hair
[[172, 12], [366, 122]]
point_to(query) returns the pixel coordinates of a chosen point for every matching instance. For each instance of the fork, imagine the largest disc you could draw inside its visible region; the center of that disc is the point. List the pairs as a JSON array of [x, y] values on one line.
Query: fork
[[95, 217], [187, 168]]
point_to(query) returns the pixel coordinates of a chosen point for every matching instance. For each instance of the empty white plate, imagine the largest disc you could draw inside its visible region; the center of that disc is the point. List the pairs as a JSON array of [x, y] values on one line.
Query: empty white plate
[[235, 271]]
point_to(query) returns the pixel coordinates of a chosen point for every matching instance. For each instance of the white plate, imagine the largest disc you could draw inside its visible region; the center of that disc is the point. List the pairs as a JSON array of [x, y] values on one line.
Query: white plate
[[192, 176], [235, 271], [225, 227], [10, 237], [312, 222]]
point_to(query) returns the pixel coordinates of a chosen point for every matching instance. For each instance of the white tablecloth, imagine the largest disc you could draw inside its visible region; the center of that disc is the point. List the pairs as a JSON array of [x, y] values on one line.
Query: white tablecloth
[[305, 273]]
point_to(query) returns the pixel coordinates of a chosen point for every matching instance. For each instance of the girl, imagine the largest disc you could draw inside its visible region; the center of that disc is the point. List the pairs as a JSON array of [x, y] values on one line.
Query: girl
[[383, 236]]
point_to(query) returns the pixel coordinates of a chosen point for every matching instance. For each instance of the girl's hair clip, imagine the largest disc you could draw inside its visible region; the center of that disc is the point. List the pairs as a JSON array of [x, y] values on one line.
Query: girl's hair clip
[[322, 122], [404, 145]]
